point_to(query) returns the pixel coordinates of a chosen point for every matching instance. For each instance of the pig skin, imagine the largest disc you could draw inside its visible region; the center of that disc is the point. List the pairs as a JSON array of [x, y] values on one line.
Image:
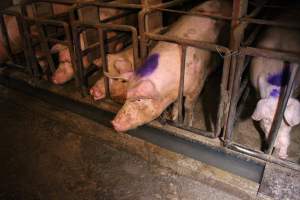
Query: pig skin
[[268, 76], [148, 95]]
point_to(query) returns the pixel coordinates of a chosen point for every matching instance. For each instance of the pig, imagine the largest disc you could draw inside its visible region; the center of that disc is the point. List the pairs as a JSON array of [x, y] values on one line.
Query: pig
[[155, 84], [65, 71], [14, 38], [268, 76], [118, 63]]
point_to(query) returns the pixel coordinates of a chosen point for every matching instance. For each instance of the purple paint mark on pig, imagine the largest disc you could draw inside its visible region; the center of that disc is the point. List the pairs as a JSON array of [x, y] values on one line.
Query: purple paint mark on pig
[[275, 93], [149, 66], [281, 78]]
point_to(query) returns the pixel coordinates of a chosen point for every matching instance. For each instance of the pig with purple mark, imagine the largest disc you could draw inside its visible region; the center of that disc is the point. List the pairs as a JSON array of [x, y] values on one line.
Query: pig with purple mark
[[269, 76], [154, 86]]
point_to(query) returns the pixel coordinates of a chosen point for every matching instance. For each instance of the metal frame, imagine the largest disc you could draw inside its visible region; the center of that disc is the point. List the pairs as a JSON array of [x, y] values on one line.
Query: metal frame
[[233, 66], [244, 51], [146, 36], [78, 27]]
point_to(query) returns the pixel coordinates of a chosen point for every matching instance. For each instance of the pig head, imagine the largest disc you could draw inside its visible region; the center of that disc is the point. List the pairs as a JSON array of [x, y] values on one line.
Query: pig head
[[264, 113], [143, 104]]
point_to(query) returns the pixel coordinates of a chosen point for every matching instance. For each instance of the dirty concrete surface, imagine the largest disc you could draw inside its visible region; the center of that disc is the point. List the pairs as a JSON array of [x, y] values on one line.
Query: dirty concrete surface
[[42, 158]]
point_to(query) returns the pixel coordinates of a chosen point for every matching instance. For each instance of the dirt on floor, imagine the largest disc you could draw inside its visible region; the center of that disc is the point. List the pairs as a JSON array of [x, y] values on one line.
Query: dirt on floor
[[42, 158]]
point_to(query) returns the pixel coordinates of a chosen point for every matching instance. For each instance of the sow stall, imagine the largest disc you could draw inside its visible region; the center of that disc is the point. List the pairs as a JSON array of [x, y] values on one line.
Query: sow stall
[[218, 125]]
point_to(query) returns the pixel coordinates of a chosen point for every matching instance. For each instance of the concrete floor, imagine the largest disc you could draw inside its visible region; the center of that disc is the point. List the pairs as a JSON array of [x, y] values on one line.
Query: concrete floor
[[42, 158]]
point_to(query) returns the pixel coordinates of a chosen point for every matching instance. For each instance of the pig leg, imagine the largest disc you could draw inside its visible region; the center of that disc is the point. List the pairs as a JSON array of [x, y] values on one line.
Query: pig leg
[[189, 105], [282, 145], [174, 113]]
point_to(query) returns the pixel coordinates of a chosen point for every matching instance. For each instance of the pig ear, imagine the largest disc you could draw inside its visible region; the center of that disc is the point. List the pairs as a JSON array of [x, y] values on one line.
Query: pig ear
[[292, 112], [143, 90], [261, 110], [123, 65], [57, 48], [263, 85]]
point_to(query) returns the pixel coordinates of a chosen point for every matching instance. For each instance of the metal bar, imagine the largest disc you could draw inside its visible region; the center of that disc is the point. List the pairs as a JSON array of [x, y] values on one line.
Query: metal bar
[[265, 157], [251, 51], [27, 54], [78, 60], [106, 5], [283, 100], [32, 58], [104, 62], [224, 100], [194, 43], [237, 35], [234, 98], [192, 13], [181, 84], [198, 131], [142, 30], [271, 23], [45, 47]]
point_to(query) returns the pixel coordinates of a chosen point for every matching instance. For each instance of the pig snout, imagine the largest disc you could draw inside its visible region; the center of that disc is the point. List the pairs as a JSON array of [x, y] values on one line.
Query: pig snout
[[120, 125], [98, 91], [63, 74]]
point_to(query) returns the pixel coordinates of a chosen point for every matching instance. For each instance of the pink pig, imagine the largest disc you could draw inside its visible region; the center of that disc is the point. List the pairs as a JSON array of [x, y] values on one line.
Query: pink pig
[[14, 37], [65, 71], [154, 86], [269, 75], [119, 63]]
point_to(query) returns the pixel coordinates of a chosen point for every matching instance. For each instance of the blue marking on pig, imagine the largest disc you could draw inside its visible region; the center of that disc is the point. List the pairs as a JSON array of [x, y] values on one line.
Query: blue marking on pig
[[281, 78], [149, 66], [275, 93]]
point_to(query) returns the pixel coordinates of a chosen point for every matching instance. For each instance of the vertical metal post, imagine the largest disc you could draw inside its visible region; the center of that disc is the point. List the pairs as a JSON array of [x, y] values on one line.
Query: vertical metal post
[[32, 58], [143, 40], [104, 61], [45, 47], [237, 34], [135, 46], [78, 60], [283, 100], [27, 54], [181, 84], [234, 98], [224, 100]]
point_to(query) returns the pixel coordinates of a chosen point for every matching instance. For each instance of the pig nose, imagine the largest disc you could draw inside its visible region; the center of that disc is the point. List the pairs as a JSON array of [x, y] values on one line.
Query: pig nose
[[116, 126], [97, 95], [54, 80]]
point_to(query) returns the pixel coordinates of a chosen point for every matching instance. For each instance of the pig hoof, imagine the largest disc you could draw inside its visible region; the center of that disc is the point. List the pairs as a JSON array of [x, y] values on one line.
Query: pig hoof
[[283, 155]]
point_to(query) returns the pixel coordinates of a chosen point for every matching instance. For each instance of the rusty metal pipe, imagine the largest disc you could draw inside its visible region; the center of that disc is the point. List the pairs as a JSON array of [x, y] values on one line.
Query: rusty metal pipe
[[104, 62], [194, 43], [283, 100], [265, 157], [251, 51], [181, 85], [198, 13]]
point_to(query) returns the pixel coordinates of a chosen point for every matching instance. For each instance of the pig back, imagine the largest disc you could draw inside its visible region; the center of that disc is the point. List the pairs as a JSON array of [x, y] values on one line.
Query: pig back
[[275, 38], [167, 75]]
